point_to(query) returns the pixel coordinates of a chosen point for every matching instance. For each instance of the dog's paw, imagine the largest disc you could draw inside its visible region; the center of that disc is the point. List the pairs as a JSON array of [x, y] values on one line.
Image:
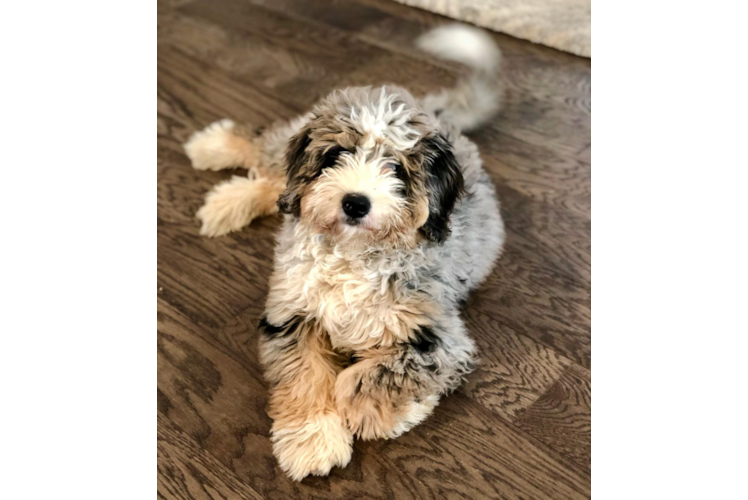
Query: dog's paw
[[313, 446], [413, 413], [218, 146], [374, 418], [233, 204], [222, 212], [372, 411]]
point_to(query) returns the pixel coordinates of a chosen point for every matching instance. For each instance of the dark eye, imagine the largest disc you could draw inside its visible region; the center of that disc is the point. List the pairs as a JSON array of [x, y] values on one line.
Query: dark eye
[[393, 165], [330, 157]]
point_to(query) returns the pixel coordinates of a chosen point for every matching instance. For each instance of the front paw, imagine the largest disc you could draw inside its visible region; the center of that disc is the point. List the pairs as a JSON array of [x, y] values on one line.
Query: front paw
[[312, 446], [373, 409]]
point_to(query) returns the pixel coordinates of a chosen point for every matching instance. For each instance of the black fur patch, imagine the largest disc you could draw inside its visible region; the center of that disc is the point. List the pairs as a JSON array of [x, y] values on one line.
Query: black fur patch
[[404, 176], [425, 340], [445, 185], [296, 156], [287, 328], [385, 378], [331, 156]]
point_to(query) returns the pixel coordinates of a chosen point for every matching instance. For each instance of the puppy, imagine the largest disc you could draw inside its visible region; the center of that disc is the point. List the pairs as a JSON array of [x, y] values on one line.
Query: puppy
[[389, 221]]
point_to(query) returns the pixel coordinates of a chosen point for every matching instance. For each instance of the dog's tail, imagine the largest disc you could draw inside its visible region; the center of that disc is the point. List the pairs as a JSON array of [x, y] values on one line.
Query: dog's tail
[[476, 98]]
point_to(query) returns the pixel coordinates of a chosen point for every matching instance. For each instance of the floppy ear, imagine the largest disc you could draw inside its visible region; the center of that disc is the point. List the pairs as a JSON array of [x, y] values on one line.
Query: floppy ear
[[444, 183], [289, 201]]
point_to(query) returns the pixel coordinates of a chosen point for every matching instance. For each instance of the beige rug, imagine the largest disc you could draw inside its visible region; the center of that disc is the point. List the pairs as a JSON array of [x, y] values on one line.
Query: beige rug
[[561, 24]]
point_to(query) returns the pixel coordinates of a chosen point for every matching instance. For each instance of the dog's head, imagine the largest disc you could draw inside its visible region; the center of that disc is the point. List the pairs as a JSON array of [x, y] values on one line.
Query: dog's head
[[371, 167]]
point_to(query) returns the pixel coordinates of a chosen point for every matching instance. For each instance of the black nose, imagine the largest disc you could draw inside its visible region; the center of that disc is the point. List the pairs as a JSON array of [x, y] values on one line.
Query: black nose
[[356, 205]]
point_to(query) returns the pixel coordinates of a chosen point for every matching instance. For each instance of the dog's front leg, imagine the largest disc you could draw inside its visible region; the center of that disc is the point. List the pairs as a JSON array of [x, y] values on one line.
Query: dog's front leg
[[389, 390], [308, 433]]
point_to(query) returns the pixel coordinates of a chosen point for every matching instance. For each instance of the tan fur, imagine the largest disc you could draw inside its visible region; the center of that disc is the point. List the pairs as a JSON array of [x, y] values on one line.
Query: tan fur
[[308, 433], [370, 410], [233, 204], [221, 145]]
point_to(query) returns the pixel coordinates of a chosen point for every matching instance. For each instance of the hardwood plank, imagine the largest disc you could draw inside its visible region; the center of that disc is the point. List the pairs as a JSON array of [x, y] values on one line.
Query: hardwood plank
[[415, 74], [168, 5], [514, 370], [344, 15], [359, 20], [562, 417], [187, 471], [541, 288], [212, 94], [294, 58]]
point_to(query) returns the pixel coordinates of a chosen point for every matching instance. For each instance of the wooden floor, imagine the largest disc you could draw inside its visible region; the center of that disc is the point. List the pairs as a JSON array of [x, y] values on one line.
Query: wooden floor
[[520, 427]]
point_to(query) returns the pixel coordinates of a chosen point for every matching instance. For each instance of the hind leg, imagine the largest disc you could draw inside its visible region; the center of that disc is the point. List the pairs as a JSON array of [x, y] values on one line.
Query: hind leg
[[233, 204], [222, 144]]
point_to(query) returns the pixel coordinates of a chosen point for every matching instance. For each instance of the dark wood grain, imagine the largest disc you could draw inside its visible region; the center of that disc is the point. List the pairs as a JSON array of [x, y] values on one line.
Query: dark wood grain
[[520, 427], [561, 418], [514, 370], [186, 470]]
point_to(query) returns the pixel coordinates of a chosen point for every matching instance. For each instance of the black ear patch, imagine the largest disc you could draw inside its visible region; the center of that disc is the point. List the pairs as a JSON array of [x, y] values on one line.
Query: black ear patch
[[296, 156], [445, 185]]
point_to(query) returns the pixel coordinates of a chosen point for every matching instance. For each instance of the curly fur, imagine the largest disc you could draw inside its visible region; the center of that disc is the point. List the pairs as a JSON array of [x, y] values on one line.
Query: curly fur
[[361, 334]]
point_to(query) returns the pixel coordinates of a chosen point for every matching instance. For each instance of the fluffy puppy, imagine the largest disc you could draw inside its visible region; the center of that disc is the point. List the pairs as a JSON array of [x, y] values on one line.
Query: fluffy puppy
[[390, 221]]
